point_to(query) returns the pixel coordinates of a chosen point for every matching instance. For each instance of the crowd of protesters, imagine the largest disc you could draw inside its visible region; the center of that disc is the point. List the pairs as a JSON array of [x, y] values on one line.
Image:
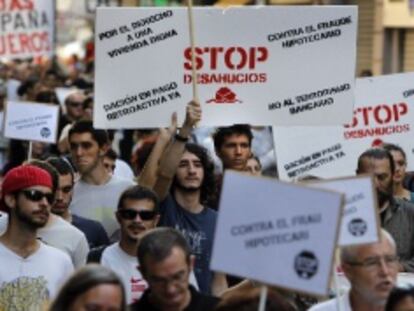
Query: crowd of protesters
[[103, 220]]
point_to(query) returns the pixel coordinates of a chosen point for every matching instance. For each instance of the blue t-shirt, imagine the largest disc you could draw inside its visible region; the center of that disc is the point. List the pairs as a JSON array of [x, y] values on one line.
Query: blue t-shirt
[[93, 230], [198, 230]]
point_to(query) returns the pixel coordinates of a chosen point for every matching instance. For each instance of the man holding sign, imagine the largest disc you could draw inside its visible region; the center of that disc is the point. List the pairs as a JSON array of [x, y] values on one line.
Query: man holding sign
[[397, 216], [372, 271]]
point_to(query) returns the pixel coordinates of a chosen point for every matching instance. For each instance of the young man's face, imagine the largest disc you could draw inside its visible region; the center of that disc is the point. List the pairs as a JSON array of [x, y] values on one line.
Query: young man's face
[[234, 152], [86, 153], [31, 205], [109, 164], [168, 280], [400, 165], [136, 217], [63, 195], [190, 172], [383, 179], [253, 167]]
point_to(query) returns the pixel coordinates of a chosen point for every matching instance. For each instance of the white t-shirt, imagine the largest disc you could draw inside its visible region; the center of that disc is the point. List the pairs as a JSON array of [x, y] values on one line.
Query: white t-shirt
[[123, 170], [332, 305], [62, 235], [125, 266], [99, 202], [31, 283], [66, 237]]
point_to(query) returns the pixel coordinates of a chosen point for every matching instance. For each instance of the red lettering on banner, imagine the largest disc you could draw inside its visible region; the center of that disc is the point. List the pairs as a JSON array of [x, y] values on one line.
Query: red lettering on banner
[[16, 5], [34, 42], [380, 114], [233, 58]]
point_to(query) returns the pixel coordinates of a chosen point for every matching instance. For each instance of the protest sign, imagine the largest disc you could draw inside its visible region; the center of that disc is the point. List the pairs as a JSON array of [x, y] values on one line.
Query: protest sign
[[359, 223], [31, 121], [277, 233], [26, 28], [284, 70], [384, 112]]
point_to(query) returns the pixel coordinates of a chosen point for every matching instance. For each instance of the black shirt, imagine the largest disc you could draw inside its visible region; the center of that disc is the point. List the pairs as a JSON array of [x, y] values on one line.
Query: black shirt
[[198, 302], [93, 230]]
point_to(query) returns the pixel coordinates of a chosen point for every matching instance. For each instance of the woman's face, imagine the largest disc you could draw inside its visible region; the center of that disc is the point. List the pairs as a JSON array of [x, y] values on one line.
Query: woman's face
[[104, 297], [400, 166], [406, 304]]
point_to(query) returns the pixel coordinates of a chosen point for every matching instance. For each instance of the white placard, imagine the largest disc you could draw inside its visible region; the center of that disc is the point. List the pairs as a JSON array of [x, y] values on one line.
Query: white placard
[[359, 223], [31, 121], [26, 28], [282, 68], [277, 233], [384, 112]]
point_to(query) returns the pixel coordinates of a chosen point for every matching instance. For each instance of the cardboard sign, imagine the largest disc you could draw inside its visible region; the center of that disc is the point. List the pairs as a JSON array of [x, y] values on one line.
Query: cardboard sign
[[31, 121], [359, 224], [26, 28], [278, 233], [284, 70], [384, 112]]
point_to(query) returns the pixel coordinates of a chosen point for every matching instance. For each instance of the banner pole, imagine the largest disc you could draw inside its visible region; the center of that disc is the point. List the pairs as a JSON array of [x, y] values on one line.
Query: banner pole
[[339, 305], [29, 153], [263, 298], [192, 44]]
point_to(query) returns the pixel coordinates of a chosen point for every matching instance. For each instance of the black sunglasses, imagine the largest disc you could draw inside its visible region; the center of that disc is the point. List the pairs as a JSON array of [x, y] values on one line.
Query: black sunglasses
[[130, 214], [36, 195], [75, 104]]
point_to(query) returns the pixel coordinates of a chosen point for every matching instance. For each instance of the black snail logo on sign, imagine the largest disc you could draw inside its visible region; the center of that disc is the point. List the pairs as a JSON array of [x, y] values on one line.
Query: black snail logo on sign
[[45, 132], [306, 264], [357, 227]]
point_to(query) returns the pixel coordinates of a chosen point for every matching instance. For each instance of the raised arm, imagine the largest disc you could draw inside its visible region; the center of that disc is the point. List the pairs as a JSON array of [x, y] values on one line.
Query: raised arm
[[172, 155], [148, 175]]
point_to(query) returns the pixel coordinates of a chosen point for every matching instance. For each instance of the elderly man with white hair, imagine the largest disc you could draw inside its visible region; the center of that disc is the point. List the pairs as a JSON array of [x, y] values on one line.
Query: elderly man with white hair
[[372, 271]]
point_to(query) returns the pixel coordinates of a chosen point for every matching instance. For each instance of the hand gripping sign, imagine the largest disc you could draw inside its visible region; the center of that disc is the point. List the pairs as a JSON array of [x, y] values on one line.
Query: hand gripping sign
[[284, 70], [383, 113], [359, 224], [277, 233]]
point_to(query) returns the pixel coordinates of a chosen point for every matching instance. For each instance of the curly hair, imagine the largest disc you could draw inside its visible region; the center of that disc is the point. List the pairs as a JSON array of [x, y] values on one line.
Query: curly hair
[[208, 186]]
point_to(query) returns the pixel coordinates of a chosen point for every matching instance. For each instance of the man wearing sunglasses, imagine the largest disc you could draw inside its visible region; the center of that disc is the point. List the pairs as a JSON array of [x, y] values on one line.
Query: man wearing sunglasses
[[27, 265], [74, 109], [372, 271], [136, 214]]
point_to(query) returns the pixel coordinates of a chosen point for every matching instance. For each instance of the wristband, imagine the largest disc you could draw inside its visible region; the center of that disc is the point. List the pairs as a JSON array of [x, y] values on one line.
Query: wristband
[[180, 138]]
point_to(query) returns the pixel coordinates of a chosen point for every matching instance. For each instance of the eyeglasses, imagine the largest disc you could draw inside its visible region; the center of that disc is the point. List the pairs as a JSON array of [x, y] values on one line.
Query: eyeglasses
[[36, 195], [373, 263], [130, 214], [178, 278]]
